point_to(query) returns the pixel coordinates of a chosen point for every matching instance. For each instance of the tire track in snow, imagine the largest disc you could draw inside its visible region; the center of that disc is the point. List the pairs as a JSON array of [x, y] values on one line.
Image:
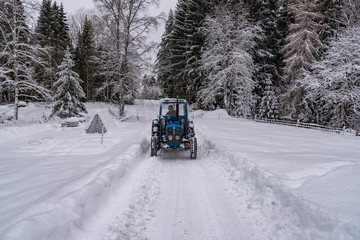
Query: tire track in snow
[[193, 204]]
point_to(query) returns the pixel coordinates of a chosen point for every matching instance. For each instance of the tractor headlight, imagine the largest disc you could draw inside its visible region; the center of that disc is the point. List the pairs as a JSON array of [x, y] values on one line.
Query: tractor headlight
[[177, 137], [170, 138]]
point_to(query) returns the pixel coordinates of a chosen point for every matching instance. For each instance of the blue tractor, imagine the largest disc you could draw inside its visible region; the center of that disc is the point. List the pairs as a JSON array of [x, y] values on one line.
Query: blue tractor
[[173, 129]]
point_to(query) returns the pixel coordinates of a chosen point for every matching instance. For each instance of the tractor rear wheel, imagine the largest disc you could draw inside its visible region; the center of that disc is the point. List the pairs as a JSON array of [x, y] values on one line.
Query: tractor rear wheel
[[154, 146], [193, 148]]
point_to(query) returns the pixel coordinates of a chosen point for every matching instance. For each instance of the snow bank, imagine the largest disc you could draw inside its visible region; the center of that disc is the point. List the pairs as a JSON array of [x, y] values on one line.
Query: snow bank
[[132, 223], [16, 132], [59, 217], [280, 213], [216, 114]]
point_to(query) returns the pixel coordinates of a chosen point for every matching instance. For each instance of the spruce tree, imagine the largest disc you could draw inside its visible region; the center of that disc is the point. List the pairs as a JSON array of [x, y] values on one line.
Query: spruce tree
[[52, 33], [303, 47], [186, 41], [267, 14], [163, 60], [195, 40], [63, 29], [84, 59], [177, 50], [69, 93]]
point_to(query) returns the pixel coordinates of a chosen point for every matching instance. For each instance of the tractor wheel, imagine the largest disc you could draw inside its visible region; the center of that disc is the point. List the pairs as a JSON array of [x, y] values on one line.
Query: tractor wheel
[[193, 148], [154, 146]]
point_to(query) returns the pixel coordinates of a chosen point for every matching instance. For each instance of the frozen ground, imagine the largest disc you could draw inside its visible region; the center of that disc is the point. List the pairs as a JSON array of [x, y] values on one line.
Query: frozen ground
[[250, 181]]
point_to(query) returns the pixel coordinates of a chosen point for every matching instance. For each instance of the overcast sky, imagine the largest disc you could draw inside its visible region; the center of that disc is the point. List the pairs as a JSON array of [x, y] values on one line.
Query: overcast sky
[[71, 6]]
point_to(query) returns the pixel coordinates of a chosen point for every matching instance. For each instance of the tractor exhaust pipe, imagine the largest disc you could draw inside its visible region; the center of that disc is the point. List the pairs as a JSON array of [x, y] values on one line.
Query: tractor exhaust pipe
[[177, 109]]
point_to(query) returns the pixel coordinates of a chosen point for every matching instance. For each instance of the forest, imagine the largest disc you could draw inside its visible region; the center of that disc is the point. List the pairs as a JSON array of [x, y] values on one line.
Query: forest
[[273, 59]]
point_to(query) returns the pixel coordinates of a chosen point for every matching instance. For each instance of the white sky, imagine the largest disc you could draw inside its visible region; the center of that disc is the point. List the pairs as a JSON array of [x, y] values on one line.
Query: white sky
[[71, 6]]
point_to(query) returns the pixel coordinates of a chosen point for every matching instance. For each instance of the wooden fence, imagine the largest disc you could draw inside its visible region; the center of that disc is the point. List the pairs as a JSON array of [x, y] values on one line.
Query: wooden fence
[[305, 125]]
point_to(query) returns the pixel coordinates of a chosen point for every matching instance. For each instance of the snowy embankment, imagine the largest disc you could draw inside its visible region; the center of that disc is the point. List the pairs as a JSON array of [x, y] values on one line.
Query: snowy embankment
[[258, 172], [54, 178], [250, 181]]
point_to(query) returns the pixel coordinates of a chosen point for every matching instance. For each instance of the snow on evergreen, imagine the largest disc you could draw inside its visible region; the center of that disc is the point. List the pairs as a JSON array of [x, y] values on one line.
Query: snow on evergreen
[[333, 86], [228, 63], [302, 49], [69, 93], [269, 107]]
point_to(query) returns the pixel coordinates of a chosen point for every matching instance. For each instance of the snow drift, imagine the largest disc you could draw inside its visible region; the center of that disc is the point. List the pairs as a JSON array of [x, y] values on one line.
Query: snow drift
[[284, 215], [58, 217]]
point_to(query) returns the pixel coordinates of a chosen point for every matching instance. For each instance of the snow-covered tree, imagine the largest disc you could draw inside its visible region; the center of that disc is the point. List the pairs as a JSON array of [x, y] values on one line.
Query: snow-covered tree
[[269, 107], [177, 46], [333, 86], [151, 88], [17, 55], [163, 60], [269, 15], [227, 62], [127, 23], [69, 93], [185, 42], [303, 46], [197, 10]]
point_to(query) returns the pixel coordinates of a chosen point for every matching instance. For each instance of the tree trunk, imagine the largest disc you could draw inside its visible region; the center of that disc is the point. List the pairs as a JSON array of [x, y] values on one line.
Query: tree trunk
[[225, 95], [16, 102]]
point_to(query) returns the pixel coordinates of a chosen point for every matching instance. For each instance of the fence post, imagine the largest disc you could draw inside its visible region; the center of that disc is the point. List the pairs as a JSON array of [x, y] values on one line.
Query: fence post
[[102, 134]]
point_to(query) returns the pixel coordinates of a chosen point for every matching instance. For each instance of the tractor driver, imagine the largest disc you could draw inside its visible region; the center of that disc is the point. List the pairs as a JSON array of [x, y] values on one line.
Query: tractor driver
[[171, 111]]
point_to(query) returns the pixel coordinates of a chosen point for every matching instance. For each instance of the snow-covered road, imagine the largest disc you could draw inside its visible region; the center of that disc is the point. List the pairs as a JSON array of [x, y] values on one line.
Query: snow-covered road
[[248, 182], [193, 203], [171, 197]]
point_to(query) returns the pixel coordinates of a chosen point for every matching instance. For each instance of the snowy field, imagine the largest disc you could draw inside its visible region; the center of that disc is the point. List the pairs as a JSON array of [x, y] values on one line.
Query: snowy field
[[250, 181]]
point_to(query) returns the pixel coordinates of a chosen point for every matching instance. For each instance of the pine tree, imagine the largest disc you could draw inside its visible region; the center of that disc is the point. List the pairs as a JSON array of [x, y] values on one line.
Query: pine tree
[[302, 49], [68, 91], [17, 55]]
